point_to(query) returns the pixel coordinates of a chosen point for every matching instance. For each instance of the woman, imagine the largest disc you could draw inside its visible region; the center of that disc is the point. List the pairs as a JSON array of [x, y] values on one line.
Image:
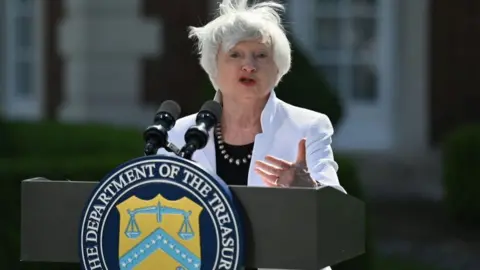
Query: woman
[[261, 140]]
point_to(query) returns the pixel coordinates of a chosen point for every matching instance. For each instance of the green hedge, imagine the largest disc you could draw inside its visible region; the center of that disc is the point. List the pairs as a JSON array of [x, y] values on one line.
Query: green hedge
[[82, 152], [348, 177], [461, 175], [41, 139]]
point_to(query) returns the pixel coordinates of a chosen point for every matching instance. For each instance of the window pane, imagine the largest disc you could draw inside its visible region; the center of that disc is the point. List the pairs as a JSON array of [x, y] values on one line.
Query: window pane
[[26, 2], [23, 78], [328, 33], [369, 2], [362, 32], [23, 31], [329, 3], [2, 49], [364, 83], [24, 7]]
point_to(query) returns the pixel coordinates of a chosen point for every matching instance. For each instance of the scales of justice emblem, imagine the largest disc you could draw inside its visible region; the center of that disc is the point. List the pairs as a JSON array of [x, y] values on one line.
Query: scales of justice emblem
[[159, 232]]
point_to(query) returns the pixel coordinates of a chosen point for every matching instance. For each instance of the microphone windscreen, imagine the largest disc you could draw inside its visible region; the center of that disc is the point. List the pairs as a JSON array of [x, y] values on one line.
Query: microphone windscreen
[[171, 107], [214, 108]]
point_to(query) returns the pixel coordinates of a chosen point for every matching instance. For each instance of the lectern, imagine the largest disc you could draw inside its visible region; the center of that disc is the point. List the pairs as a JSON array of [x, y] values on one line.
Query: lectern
[[294, 228]]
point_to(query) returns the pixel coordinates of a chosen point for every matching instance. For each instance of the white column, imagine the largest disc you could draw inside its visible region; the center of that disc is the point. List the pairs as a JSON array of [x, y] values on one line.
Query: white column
[[102, 43]]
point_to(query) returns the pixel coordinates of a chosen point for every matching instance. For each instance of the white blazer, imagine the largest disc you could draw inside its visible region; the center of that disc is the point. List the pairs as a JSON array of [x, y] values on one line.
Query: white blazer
[[283, 127]]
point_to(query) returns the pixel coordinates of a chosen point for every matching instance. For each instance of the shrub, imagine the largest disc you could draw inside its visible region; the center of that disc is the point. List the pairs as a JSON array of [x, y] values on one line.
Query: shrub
[[6, 147], [40, 139], [461, 174], [348, 177]]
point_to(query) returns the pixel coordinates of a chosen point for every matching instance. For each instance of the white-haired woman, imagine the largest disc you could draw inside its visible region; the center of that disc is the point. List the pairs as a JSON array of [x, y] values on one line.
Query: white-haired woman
[[261, 140]]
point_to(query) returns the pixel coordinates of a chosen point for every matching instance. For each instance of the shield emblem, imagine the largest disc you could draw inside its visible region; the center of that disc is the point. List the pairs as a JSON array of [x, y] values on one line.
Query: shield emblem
[[159, 233]]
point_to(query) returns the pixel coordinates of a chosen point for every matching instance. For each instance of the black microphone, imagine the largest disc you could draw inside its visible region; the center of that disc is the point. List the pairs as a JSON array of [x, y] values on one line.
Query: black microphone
[[156, 135], [196, 136]]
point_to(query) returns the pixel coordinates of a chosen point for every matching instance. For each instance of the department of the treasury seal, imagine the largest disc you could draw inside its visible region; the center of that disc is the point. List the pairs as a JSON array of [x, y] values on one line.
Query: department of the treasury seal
[[161, 212]]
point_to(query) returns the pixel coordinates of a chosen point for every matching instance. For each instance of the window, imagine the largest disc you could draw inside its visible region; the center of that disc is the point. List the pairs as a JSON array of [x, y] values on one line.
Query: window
[[2, 49], [345, 46], [353, 43], [20, 49]]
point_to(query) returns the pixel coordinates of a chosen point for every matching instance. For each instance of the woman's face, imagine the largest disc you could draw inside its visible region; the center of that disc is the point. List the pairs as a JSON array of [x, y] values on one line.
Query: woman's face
[[247, 70]]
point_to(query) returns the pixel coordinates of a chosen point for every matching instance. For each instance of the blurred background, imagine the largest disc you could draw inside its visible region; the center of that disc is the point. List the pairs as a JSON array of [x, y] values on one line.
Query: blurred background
[[81, 79]]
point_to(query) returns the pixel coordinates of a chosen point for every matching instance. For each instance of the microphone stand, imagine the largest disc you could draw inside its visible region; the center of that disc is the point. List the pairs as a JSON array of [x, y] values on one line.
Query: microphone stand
[[151, 148], [188, 150], [170, 147]]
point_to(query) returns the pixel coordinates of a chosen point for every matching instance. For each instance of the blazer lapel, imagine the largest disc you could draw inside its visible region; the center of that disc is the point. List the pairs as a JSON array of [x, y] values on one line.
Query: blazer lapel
[[264, 140], [261, 148]]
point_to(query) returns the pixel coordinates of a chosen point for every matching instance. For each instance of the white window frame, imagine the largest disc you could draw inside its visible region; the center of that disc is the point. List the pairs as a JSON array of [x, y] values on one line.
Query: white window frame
[[366, 125], [25, 107]]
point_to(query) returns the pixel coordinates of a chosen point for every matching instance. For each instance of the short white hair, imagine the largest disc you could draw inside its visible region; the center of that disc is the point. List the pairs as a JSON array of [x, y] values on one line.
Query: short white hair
[[237, 22]]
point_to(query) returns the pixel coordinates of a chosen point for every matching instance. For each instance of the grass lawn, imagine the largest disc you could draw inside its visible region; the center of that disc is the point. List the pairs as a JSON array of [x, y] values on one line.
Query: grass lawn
[[393, 263]]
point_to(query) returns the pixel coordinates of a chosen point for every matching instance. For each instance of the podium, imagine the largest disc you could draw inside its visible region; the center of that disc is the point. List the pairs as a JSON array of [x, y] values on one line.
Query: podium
[[285, 228]]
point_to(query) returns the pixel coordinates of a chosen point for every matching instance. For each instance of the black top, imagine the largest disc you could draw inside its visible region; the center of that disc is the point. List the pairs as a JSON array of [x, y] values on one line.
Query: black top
[[230, 172]]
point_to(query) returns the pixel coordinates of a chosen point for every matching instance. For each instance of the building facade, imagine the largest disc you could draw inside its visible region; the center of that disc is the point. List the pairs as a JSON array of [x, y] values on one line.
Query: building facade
[[406, 69]]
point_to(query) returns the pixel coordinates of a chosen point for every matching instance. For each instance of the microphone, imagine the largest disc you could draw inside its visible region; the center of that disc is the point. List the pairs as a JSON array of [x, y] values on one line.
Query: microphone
[[196, 136], [156, 135]]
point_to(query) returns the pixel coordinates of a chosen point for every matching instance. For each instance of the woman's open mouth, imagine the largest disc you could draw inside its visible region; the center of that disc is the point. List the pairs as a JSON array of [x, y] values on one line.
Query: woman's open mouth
[[247, 81]]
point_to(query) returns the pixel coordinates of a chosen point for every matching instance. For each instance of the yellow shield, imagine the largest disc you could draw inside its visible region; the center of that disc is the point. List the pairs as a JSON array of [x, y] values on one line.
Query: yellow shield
[[159, 234]]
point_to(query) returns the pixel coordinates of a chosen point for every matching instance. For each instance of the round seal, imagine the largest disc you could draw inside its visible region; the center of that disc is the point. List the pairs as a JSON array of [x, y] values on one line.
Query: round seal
[[161, 212]]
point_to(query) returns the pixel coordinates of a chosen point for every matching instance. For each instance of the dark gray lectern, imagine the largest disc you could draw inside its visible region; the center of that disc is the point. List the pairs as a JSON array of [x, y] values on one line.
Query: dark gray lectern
[[294, 228]]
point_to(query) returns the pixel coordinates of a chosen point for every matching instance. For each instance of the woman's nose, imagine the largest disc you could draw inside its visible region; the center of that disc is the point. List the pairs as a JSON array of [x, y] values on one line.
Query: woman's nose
[[248, 68]]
